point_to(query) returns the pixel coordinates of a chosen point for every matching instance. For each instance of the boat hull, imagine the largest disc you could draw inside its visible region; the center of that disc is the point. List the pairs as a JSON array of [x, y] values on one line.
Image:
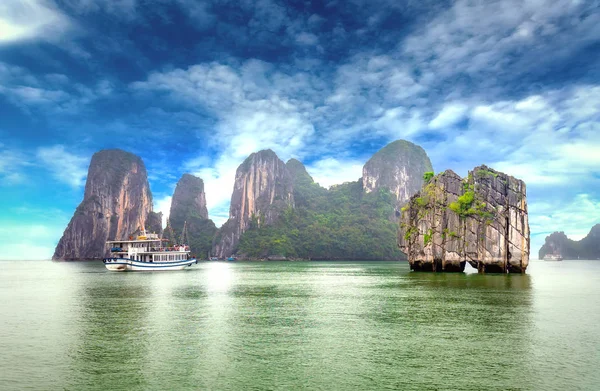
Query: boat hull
[[129, 265]]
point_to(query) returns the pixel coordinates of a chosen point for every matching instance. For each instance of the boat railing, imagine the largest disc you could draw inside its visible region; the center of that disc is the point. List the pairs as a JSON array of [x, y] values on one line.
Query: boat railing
[[174, 248]]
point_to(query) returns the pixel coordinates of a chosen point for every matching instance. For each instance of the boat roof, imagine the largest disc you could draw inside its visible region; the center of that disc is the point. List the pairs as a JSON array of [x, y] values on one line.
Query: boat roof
[[137, 241]]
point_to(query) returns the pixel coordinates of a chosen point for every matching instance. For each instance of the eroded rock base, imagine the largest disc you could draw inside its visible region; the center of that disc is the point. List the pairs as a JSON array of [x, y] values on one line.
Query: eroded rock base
[[437, 266]]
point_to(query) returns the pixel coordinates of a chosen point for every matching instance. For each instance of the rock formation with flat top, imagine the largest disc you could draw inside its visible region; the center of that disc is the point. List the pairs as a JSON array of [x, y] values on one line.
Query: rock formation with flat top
[[481, 219]]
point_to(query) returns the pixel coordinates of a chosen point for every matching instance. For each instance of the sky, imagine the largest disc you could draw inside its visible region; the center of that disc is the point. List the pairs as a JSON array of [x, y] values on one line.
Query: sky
[[196, 86]]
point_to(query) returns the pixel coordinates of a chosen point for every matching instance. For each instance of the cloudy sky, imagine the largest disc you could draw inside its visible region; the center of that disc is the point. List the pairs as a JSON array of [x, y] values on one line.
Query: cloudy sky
[[196, 86]]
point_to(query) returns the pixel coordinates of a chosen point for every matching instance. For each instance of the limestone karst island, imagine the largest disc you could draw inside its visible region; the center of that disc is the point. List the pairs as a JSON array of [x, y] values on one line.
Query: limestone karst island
[[397, 210], [481, 219]]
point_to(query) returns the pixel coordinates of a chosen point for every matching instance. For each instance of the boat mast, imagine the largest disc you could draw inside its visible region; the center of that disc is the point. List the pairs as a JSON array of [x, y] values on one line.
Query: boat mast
[[184, 238]]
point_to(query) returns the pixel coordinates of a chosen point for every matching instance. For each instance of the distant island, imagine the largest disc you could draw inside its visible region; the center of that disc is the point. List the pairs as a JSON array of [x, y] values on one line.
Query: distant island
[[277, 211], [559, 244]]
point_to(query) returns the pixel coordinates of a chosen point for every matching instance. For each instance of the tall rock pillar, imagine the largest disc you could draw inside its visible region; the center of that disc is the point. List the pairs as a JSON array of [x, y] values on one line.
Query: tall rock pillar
[[116, 202], [262, 190]]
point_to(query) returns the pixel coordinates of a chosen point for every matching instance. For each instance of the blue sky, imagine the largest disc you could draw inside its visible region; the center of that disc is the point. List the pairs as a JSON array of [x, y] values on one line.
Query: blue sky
[[196, 86]]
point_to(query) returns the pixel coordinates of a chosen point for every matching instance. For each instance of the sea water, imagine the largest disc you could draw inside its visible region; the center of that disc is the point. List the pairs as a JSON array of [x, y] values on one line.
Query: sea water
[[298, 325]]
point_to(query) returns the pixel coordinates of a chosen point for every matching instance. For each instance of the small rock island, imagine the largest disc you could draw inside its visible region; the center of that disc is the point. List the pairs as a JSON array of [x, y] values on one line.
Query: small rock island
[[481, 219], [559, 244]]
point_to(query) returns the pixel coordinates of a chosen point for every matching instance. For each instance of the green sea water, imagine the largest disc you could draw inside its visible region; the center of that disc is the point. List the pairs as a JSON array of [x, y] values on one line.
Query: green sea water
[[298, 325]]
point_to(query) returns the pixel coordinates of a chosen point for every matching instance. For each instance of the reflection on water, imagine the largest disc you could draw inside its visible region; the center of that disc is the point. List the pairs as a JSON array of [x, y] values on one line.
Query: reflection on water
[[218, 276], [320, 325]]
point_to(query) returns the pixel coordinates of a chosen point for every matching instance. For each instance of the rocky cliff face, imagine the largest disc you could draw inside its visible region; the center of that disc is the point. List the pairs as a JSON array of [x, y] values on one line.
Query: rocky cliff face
[[189, 205], [154, 223], [398, 167], [306, 191], [188, 199], [263, 189], [481, 220], [117, 200], [587, 248]]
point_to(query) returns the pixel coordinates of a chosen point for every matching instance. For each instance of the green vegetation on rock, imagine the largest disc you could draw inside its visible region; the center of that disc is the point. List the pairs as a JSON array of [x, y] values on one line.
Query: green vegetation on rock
[[410, 232], [462, 206], [468, 205], [427, 176], [449, 233], [427, 237], [486, 173], [341, 223], [188, 207], [421, 201]]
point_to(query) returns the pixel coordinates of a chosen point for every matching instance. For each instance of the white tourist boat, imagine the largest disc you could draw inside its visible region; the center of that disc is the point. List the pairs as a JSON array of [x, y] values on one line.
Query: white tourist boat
[[147, 252], [553, 257]]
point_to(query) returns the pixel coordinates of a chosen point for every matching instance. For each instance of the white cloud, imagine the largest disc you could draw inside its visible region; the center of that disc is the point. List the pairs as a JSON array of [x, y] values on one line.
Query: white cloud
[[163, 205], [546, 139], [474, 37], [12, 164], [399, 122], [256, 109], [22, 20], [331, 171], [541, 136], [218, 185], [32, 95], [64, 165], [448, 116], [51, 92], [307, 39], [122, 8]]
